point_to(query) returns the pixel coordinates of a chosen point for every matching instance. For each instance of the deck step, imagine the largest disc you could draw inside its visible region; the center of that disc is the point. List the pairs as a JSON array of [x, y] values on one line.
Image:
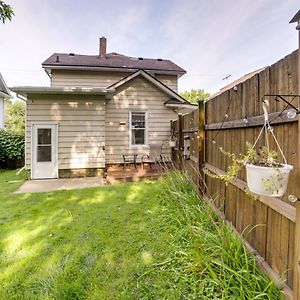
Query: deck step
[[118, 178]]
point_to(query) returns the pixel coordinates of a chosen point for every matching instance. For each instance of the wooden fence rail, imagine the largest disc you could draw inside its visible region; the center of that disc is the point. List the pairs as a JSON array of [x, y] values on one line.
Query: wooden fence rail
[[270, 226]]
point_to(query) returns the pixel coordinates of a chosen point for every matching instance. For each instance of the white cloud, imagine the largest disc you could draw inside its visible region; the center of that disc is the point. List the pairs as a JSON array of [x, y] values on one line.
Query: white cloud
[[211, 39], [217, 38]]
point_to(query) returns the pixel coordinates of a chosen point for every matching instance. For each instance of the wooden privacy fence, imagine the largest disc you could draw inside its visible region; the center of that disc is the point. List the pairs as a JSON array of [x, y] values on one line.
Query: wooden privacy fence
[[270, 226]]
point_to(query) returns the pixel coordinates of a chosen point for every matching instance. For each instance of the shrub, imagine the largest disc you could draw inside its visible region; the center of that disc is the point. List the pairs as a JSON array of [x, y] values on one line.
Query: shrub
[[12, 147]]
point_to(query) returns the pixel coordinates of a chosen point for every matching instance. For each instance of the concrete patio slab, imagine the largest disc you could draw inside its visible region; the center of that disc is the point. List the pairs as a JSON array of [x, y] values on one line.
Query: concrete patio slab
[[50, 185]]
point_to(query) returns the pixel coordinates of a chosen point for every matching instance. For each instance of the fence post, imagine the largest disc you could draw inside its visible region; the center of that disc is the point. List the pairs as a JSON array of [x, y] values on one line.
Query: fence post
[[296, 271], [180, 140], [201, 145], [296, 275]]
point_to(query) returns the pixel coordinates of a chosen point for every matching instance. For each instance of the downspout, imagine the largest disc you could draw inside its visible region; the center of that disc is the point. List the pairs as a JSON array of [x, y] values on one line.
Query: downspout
[[19, 96]]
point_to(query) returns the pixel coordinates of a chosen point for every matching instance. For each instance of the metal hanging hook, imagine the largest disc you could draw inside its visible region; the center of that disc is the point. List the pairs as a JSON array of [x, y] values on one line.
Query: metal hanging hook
[[265, 106]]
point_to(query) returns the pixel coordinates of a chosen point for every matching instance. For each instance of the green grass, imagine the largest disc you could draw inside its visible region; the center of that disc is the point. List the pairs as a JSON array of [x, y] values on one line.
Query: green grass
[[149, 240]]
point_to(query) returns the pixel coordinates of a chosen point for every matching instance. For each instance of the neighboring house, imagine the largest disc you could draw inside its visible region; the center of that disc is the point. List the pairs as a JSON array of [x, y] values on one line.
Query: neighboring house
[[4, 95], [236, 82], [98, 108]]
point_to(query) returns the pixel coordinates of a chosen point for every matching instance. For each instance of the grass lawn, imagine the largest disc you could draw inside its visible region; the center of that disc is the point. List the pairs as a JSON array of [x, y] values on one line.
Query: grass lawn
[[130, 241]]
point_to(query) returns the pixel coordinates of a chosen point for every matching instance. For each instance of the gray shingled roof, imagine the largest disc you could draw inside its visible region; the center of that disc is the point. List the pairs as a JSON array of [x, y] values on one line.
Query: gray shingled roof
[[112, 60]]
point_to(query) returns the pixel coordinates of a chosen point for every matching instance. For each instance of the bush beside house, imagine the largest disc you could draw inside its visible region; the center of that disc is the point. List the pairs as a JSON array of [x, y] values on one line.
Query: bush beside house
[[12, 138], [12, 147]]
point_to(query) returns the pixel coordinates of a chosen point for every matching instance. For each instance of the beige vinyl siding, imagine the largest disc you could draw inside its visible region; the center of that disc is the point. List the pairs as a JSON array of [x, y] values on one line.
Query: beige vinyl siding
[[61, 78], [169, 80], [136, 95], [81, 128]]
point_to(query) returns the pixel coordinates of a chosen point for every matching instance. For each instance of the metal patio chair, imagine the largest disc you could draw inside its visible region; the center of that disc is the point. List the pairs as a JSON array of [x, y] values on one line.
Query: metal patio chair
[[154, 156]]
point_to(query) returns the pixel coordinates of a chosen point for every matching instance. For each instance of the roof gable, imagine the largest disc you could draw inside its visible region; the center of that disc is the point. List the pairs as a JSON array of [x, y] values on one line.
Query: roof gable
[[164, 88]]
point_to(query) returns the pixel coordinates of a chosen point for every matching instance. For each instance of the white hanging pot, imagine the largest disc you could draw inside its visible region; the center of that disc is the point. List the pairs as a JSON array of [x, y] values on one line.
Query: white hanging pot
[[268, 181], [172, 143]]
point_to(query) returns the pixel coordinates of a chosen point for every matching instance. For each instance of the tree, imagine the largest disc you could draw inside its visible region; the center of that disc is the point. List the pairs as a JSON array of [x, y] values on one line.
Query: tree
[[15, 117], [195, 95], [6, 12]]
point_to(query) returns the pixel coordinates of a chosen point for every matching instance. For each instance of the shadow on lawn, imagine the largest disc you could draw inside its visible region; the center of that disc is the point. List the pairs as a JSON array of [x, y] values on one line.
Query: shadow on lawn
[[67, 241]]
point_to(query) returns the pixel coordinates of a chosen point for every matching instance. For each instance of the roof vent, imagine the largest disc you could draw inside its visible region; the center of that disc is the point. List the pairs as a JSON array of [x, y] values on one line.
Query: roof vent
[[71, 54], [140, 58], [57, 58], [159, 59]]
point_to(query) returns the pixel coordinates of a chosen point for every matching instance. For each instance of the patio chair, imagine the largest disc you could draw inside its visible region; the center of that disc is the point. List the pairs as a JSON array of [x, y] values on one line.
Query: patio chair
[[153, 157]]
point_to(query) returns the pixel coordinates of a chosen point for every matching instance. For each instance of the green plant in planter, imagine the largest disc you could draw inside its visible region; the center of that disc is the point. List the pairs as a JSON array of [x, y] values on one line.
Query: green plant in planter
[[265, 176], [261, 158]]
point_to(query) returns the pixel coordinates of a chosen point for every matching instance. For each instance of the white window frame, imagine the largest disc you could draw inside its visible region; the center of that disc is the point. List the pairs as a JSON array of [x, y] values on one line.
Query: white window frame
[[130, 129]]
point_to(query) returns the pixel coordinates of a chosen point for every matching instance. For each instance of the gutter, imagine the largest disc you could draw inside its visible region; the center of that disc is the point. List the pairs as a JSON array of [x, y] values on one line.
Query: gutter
[[5, 95], [117, 69], [25, 90], [191, 106]]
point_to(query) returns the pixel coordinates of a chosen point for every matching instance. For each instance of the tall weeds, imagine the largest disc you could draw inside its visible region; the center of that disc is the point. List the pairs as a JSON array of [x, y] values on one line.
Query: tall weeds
[[208, 255]]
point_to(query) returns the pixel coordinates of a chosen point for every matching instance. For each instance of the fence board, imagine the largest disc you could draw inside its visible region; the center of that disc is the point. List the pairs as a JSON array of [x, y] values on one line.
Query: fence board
[[275, 118]]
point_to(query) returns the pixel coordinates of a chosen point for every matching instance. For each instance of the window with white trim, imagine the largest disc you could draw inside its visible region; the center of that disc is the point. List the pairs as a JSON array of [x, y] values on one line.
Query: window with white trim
[[138, 128]]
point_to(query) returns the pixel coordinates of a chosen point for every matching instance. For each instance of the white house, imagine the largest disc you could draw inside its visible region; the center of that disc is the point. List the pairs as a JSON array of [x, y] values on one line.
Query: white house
[[4, 94], [97, 109]]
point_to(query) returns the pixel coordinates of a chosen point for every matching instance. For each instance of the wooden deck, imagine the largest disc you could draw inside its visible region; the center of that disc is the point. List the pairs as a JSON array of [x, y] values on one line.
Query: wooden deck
[[116, 174]]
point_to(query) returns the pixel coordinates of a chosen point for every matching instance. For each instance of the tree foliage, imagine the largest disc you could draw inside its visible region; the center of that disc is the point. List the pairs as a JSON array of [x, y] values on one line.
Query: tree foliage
[[15, 117], [6, 12], [195, 95]]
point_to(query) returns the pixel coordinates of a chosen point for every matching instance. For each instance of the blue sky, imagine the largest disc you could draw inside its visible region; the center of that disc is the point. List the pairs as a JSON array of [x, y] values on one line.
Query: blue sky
[[210, 39]]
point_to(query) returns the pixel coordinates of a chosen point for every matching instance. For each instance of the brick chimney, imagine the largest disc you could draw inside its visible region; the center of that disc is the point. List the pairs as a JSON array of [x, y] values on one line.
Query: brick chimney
[[102, 47]]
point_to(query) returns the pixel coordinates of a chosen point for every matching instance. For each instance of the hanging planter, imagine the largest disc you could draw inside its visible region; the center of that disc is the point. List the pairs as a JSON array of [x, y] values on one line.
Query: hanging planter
[[173, 140], [265, 175], [268, 177], [172, 143], [268, 181]]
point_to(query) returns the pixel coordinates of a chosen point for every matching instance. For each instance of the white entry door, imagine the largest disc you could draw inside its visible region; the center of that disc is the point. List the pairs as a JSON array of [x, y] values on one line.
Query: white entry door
[[44, 151]]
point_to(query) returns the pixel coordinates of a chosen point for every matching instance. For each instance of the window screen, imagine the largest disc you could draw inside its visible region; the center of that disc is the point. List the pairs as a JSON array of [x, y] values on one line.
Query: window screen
[[138, 128]]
